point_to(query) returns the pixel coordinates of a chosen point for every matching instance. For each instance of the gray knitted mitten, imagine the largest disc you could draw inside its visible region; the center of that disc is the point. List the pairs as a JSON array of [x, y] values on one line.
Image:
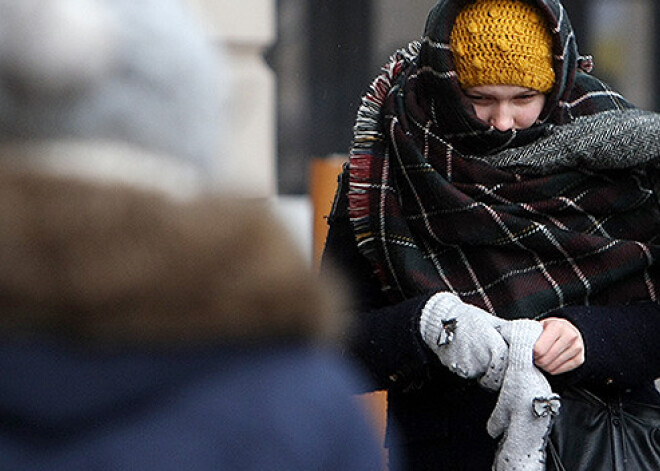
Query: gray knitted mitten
[[465, 339], [525, 405]]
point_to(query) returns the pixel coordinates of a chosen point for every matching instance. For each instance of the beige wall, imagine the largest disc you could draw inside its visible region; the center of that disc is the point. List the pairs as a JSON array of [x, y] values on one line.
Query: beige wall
[[247, 28]]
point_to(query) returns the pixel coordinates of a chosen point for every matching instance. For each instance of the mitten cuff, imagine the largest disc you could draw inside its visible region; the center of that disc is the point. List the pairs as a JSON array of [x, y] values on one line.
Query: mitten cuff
[[521, 338]]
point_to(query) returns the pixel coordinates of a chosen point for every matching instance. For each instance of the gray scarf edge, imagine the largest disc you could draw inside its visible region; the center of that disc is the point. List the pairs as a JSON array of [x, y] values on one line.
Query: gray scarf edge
[[611, 139]]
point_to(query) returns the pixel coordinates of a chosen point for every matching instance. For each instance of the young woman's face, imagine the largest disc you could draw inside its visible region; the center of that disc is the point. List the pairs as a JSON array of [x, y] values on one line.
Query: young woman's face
[[506, 107]]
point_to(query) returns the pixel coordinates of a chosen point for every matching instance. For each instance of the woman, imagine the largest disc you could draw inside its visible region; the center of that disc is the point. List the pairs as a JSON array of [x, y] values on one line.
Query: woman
[[492, 179]]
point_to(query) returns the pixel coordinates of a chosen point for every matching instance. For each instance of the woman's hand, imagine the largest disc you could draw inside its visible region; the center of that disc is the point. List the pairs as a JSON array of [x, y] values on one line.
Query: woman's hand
[[560, 347]]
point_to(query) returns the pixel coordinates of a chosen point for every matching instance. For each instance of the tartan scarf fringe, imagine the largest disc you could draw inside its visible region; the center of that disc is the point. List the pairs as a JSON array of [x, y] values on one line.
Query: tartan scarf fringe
[[369, 140], [367, 128]]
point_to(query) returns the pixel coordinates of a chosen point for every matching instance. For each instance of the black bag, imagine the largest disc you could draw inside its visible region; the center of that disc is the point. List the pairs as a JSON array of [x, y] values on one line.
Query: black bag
[[592, 433]]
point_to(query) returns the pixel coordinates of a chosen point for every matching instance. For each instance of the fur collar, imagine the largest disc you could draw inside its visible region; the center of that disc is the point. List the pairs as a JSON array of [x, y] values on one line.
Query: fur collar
[[114, 263]]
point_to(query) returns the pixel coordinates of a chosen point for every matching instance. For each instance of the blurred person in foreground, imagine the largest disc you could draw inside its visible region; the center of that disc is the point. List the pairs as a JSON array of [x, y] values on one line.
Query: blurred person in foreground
[[148, 323], [499, 222]]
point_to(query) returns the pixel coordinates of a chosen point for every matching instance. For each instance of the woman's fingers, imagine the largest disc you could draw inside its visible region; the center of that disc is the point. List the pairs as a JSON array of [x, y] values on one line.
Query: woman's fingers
[[560, 347]]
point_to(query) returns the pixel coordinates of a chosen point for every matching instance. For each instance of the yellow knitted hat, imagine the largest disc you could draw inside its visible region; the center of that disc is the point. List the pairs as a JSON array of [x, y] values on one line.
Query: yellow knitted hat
[[503, 42]]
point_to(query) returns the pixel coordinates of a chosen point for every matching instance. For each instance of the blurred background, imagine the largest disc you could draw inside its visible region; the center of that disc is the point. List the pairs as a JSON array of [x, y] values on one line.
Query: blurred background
[[301, 66]]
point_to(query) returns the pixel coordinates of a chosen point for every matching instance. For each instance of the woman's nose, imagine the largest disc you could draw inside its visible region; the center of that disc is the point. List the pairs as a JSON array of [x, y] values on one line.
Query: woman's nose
[[502, 118]]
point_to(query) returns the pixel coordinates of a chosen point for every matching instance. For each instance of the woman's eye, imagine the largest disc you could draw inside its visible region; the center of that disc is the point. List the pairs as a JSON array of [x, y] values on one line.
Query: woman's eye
[[476, 97]]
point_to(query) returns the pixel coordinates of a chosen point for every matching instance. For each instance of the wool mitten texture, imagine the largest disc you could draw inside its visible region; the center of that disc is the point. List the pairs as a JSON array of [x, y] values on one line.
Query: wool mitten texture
[[525, 405], [465, 339]]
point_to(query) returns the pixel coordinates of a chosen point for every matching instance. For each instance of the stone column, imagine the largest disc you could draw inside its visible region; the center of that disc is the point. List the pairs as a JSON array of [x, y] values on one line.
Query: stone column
[[247, 28]]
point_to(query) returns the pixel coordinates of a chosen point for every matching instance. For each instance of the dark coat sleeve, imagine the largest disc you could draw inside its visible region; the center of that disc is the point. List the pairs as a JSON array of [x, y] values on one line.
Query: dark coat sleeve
[[622, 344], [384, 338]]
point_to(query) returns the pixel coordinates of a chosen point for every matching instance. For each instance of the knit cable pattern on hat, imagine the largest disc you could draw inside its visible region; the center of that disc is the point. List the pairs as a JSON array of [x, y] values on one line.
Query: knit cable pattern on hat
[[503, 42]]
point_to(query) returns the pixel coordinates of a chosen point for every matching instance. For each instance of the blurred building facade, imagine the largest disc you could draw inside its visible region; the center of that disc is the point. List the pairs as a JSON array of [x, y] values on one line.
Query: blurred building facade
[[246, 30]]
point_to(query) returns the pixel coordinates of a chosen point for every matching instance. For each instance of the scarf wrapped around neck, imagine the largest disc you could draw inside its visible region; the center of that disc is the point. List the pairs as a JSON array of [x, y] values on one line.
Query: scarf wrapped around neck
[[561, 214]]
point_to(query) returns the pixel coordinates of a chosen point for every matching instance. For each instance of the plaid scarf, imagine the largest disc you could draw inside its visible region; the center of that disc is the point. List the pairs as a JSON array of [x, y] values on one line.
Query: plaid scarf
[[538, 223]]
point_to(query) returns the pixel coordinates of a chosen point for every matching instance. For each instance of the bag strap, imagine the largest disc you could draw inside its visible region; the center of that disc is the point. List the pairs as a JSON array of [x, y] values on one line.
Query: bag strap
[[554, 458]]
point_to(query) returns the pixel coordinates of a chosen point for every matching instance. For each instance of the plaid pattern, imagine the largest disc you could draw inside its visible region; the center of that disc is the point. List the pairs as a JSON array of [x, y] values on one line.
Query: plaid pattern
[[432, 212]]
